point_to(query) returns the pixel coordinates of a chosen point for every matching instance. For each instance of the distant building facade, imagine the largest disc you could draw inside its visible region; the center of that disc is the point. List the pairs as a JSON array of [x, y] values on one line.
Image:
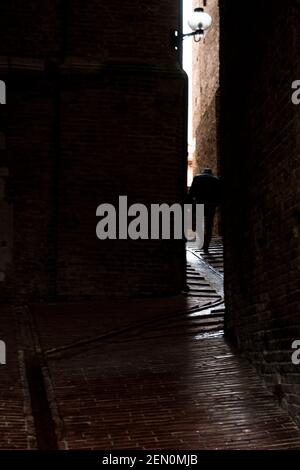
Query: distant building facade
[[206, 65]]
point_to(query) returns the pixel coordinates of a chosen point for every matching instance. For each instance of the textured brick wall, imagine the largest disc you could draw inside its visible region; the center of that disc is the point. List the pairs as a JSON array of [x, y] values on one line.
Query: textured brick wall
[[31, 148], [5, 206], [129, 149], [92, 88], [205, 96], [261, 168], [130, 30]]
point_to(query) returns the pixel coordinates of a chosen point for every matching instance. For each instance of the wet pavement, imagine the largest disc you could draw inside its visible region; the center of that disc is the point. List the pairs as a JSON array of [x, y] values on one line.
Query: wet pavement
[[167, 391], [140, 374], [16, 422]]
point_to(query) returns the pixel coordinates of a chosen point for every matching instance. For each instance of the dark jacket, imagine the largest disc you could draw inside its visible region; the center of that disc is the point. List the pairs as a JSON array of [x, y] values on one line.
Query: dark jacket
[[205, 189]]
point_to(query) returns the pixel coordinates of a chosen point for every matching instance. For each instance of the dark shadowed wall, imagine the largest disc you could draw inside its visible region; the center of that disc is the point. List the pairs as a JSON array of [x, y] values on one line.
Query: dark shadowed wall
[[96, 104], [260, 146]]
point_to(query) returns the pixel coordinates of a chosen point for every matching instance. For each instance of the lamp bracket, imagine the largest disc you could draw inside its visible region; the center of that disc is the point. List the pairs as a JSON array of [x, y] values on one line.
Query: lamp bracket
[[177, 38]]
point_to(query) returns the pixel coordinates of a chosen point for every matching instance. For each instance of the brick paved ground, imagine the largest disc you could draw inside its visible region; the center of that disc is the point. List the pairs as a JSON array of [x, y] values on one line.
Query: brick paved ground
[[215, 257], [167, 390], [170, 384], [150, 374], [16, 423]]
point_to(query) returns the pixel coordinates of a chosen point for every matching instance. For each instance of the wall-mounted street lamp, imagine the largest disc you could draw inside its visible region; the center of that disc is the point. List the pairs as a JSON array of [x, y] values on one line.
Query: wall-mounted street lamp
[[199, 22]]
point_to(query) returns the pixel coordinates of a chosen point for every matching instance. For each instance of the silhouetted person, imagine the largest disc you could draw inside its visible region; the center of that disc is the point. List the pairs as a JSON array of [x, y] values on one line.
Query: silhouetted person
[[206, 189]]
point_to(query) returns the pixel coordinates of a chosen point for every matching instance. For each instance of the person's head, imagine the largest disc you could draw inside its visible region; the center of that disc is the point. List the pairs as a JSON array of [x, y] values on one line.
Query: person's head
[[207, 171]]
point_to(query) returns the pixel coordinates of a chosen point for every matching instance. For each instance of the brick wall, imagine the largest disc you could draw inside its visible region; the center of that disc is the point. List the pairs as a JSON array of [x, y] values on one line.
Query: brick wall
[[5, 205], [91, 91], [205, 92], [261, 167], [136, 30], [129, 150], [31, 147]]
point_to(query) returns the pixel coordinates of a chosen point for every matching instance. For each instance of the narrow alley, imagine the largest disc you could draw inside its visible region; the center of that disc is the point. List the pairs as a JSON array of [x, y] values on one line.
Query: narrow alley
[[164, 379], [127, 129]]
